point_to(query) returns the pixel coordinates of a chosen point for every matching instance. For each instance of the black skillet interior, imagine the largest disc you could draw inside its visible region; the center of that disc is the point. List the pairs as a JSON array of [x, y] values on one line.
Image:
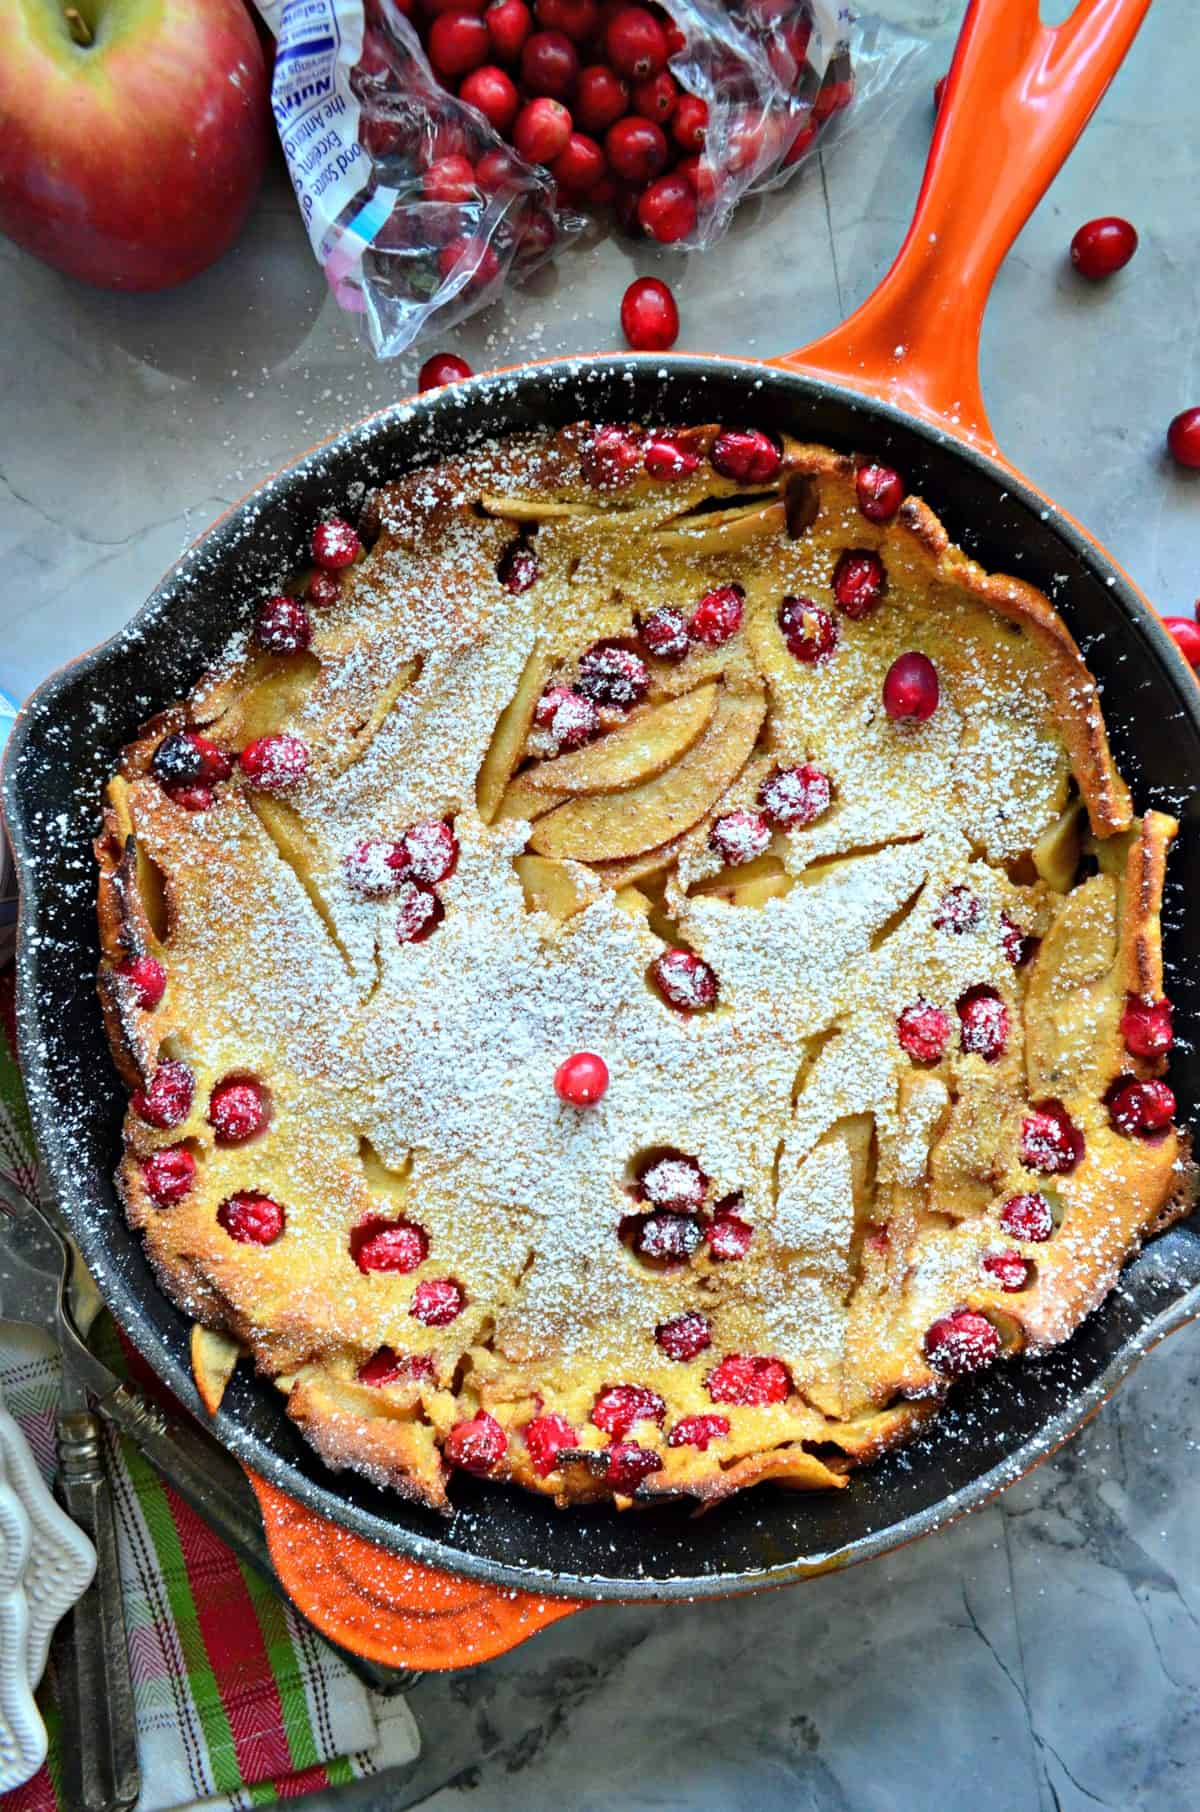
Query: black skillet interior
[[66, 743]]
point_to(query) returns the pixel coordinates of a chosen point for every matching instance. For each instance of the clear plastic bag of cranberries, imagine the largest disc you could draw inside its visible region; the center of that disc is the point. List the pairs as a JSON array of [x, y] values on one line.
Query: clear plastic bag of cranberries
[[442, 148]]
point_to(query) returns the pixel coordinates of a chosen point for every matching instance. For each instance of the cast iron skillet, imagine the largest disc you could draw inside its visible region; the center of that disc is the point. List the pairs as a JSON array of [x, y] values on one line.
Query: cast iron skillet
[[897, 383]]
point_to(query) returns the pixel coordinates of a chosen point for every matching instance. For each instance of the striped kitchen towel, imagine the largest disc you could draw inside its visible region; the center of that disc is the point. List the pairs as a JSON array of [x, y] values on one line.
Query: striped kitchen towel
[[239, 1702]]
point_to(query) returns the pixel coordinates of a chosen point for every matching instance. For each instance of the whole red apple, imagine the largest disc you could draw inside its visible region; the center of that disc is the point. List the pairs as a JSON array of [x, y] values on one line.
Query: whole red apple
[[133, 134]]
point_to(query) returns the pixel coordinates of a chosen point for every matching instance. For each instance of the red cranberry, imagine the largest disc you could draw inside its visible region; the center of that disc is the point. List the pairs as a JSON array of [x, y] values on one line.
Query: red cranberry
[[619, 1406], [611, 674], [549, 64], [1183, 437], [579, 166], [689, 123], [910, 689], [747, 455], [684, 1336], [252, 1220], [381, 1245], [374, 868], [192, 798], [542, 130], [495, 171], [740, 837], [923, 1031], [667, 458], [1027, 1217], [611, 458], [323, 590], [581, 1080], [675, 1184], [418, 912], [168, 1175], [457, 42], [1050, 1140], [569, 717], [274, 763], [718, 615], [518, 567], [545, 1437], [649, 316], [577, 18], [449, 179], [437, 1301], [1140, 1107], [509, 23], [185, 760], [282, 626], [636, 150], [810, 632], [959, 911], [984, 1023], [698, 1431], [668, 1239], [667, 209], [237, 1110], [1187, 636], [335, 544], [794, 797], [685, 981], [1103, 246], [600, 99], [434, 7], [628, 1465], [664, 634], [799, 145], [147, 980], [476, 1446], [1146, 1026], [390, 1367], [495, 95], [729, 1237], [859, 582], [168, 1099], [442, 368], [426, 852], [961, 1342], [1018, 945], [880, 492], [636, 43], [744, 1379], [657, 97], [474, 255], [939, 91]]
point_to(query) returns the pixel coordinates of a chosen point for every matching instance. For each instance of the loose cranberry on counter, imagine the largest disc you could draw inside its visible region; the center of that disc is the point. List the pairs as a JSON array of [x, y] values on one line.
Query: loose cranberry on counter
[[690, 122], [1146, 1026], [476, 1446], [167, 1100], [664, 634], [517, 568], [1050, 1140], [237, 1110], [667, 209], [628, 1465], [569, 717], [335, 544], [675, 1184], [282, 626], [579, 166], [961, 1342], [880, 492], [729, 1237], [392, 1246], [549, 64], [667, 458], [442, 368], [495, 95], [649, 316], [169, 1175], [509, 23], [746, 455], [717, 616], [323, 590], [923, 1031], [601, 98], [685, 1336], [910, 689], [1103, 246], [1027, 1217], [251, 1220], [437, 1301], [698, 1431], [747, 1379], [859, 582], [581, 1080], [636, 149], [545, 1437], [418, 912], [1183, 438], [984, 1023], [740, 837], [619, 1406], [794, 797], [612, 674], [274, 763], [636, 43], [939, 91], [684, 980], [810, 632], [657, 97], [457, 41], [1140, 1107], [1186, 634], [147, 980]]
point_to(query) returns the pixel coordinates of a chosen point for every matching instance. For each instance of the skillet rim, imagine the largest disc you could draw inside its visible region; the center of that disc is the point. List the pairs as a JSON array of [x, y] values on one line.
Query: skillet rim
[[1141, 1277]]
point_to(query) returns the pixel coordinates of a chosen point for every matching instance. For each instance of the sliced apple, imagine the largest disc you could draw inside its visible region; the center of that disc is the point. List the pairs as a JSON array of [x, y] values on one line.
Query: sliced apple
[[508, 738], [551, 887], [287, 831], [1056, 852], [603, 827], [213, 1358], [275, 686], [718, 531], [759, 890], [521, 800], [645, 867], [649, 740]]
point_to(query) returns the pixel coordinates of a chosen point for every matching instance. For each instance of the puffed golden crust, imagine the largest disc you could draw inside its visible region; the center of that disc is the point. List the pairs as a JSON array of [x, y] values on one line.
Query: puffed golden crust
[[992, 847]]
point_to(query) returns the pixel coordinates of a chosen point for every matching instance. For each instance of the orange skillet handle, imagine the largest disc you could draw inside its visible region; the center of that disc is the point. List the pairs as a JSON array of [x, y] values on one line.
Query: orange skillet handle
[[1018, 96], [393, 1611]]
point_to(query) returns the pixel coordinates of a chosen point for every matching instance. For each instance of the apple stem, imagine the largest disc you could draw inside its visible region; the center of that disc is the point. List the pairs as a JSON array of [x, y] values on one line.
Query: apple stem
[[77, 25]]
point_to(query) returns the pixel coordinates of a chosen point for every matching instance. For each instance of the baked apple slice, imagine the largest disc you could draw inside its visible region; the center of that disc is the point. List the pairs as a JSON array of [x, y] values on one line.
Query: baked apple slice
[[650, 740], [508, 739]]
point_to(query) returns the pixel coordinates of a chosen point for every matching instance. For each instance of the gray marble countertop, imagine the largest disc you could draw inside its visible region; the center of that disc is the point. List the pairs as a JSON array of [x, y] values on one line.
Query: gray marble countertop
[[1042, 1654]]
